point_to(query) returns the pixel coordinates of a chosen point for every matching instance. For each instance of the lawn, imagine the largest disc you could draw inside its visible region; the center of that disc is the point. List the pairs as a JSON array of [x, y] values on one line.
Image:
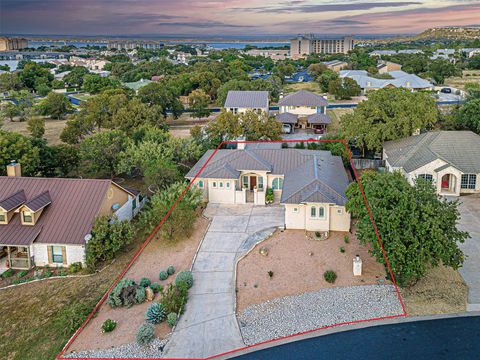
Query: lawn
[[335, 115], [468, 76], [53, 128], [441, 291], [309, 86]]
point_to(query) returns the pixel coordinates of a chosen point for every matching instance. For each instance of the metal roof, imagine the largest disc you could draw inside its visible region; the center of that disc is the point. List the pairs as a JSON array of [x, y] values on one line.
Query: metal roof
[[303, 98], [287, 118], [75, 203], [401, 79], [460, 149], [13, 201], [247, 99], [319, 118]]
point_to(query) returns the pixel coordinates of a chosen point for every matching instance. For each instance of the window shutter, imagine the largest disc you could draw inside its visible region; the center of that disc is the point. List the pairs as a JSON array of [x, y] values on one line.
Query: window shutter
[[64, 255], [49, 251]]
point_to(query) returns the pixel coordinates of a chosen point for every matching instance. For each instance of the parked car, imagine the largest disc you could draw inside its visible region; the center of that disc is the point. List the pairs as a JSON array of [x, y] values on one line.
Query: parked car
[[446, 90], [287, 129], [319, 131]]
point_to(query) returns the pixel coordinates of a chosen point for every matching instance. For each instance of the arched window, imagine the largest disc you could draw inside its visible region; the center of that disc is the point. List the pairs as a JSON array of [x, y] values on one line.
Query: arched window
[[277, 184], [313, 211], [321, 211]]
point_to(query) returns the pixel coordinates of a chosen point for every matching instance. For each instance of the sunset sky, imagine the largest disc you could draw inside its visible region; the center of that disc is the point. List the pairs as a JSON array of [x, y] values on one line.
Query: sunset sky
[[232, 17]]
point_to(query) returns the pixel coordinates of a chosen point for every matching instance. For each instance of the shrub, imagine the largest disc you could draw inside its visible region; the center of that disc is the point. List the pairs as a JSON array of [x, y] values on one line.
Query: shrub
[[72, 316], [184, 277], [170, 270], [74, 267], [270, 274], [163, 275], [284, 145], [145, 334], [172, 319], [330, 276], [156, 287], [174, 298], [269, 195], [123, 294], [318, 234], [155, 313], [22, 273], [342, 249], [346, 239], [144, 282], [109, 325], [140, 295], [7, 274]]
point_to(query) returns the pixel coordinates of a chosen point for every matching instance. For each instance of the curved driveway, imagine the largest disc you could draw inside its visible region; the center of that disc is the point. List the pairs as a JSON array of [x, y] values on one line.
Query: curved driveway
[[209, 325]]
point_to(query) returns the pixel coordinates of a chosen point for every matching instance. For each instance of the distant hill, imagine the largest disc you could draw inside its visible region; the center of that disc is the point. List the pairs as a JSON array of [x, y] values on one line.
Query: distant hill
[[439, 33]]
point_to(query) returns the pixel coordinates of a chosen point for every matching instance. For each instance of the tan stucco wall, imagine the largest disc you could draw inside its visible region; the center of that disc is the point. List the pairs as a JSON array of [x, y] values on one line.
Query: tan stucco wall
[[221, 195], [75, 253], [330, 222], [114, 195]]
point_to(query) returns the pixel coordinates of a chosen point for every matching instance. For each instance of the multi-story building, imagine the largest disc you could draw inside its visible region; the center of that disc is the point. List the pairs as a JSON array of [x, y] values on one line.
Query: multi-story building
[[131, 45], [310, 44], [7, 44]]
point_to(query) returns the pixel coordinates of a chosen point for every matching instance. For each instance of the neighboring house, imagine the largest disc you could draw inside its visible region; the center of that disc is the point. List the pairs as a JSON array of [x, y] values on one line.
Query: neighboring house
[[470, 52], [310, 184], [274, 54], [383, 52], [387, 66], [304, 109], [240, 102], [336, 65], [46, 221], [400, 79], [450, 159], [89, 63]]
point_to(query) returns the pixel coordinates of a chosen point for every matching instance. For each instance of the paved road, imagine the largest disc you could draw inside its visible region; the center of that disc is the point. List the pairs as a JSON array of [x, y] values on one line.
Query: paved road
[[470, 271], [209, 325], [455, 338]]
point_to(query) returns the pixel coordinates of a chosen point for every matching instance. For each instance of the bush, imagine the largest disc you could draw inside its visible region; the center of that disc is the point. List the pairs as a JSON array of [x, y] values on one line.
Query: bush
[[155, 313], [163, 275], [284, 145], [330, 276], [184, 277], [172, 319], [156, 287], [140, 295], [269, 195], [108, 325], [123, 294], [72, 316], [144, 282], [174, 299], [22, 273], [342, 249], [170, 270], [346, 239], [145, 334], [270, 274], [7, 274]]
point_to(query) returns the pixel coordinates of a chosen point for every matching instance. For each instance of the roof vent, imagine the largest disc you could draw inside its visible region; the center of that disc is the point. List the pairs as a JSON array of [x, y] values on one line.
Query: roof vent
[[87, 238]]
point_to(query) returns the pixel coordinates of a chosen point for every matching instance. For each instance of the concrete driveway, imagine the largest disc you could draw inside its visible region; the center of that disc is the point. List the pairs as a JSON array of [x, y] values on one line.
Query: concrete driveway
[[209, 325], [470, 271]]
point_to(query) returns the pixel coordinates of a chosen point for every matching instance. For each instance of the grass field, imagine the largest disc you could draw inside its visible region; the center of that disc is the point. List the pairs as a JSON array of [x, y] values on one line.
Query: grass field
[[309, 86], [53, 128], [42, 316], [468, 76], [336, 114]]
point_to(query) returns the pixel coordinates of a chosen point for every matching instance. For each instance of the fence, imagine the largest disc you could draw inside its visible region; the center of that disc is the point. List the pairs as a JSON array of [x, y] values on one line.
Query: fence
[[368, 163]]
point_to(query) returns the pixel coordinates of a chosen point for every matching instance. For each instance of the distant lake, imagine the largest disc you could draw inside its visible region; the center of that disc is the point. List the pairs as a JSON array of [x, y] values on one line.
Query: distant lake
[[14, 63], [215, 45]]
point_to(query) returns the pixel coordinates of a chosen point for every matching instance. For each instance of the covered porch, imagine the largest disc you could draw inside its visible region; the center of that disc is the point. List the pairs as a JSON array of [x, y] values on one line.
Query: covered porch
[[15, 257], [253, 185], [448, 180]]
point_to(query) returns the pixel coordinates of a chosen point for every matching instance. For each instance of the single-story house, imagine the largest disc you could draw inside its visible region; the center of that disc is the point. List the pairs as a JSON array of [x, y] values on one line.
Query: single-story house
[[450, 159], [310, 184], [470, 52], [304, 109], [400, 79], [240, 102], [47, 221]]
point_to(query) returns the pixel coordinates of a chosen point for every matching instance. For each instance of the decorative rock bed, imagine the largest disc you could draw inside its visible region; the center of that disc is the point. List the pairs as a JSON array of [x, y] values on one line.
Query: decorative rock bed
[[293, 314]]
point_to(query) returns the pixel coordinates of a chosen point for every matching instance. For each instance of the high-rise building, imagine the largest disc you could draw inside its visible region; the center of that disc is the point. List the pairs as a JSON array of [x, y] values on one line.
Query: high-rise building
[[304, 45], [7, 44]]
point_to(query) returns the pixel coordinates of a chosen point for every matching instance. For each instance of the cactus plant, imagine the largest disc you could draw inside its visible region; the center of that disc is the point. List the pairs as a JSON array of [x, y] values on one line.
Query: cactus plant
[[163, 275], [155, 314], [145, 334], [170, 270], [172, 319], [184, 277]]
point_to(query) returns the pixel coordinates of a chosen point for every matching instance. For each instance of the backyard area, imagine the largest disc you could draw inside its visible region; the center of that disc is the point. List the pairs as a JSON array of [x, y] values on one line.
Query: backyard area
[[335, 115], [53, 128]]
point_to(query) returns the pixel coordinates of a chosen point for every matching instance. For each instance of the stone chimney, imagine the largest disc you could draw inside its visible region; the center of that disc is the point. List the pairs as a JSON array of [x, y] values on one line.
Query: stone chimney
[[14, 169]]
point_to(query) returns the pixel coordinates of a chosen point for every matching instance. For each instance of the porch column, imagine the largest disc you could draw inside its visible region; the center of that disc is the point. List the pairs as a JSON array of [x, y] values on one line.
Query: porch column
[[9, 257], [29, 258]]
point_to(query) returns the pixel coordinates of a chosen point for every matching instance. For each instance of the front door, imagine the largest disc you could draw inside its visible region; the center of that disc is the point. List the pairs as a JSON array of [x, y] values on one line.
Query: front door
[[253, 182], [446, 181]]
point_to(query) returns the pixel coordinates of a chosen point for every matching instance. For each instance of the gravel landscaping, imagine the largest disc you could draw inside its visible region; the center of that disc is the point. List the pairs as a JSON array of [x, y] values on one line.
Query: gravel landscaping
[[293, 314]]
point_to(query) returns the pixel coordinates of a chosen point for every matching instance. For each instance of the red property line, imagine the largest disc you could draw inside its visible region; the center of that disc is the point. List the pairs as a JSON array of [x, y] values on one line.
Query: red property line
[[150, 237]]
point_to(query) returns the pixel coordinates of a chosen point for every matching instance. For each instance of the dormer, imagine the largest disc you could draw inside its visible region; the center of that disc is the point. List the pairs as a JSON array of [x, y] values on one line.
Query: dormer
[[30, 212], [10, 204]]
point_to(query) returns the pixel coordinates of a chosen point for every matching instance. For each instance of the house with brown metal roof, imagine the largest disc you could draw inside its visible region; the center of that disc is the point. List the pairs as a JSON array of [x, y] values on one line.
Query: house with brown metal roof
[[304, 109], [47, 221], [310, 184]]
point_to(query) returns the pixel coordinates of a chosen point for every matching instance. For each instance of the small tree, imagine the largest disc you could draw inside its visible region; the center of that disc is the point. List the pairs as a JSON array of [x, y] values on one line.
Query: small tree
[[469, 115], [55, 105], [325, 79], [36, 127], [344, 88], [198, 103]]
